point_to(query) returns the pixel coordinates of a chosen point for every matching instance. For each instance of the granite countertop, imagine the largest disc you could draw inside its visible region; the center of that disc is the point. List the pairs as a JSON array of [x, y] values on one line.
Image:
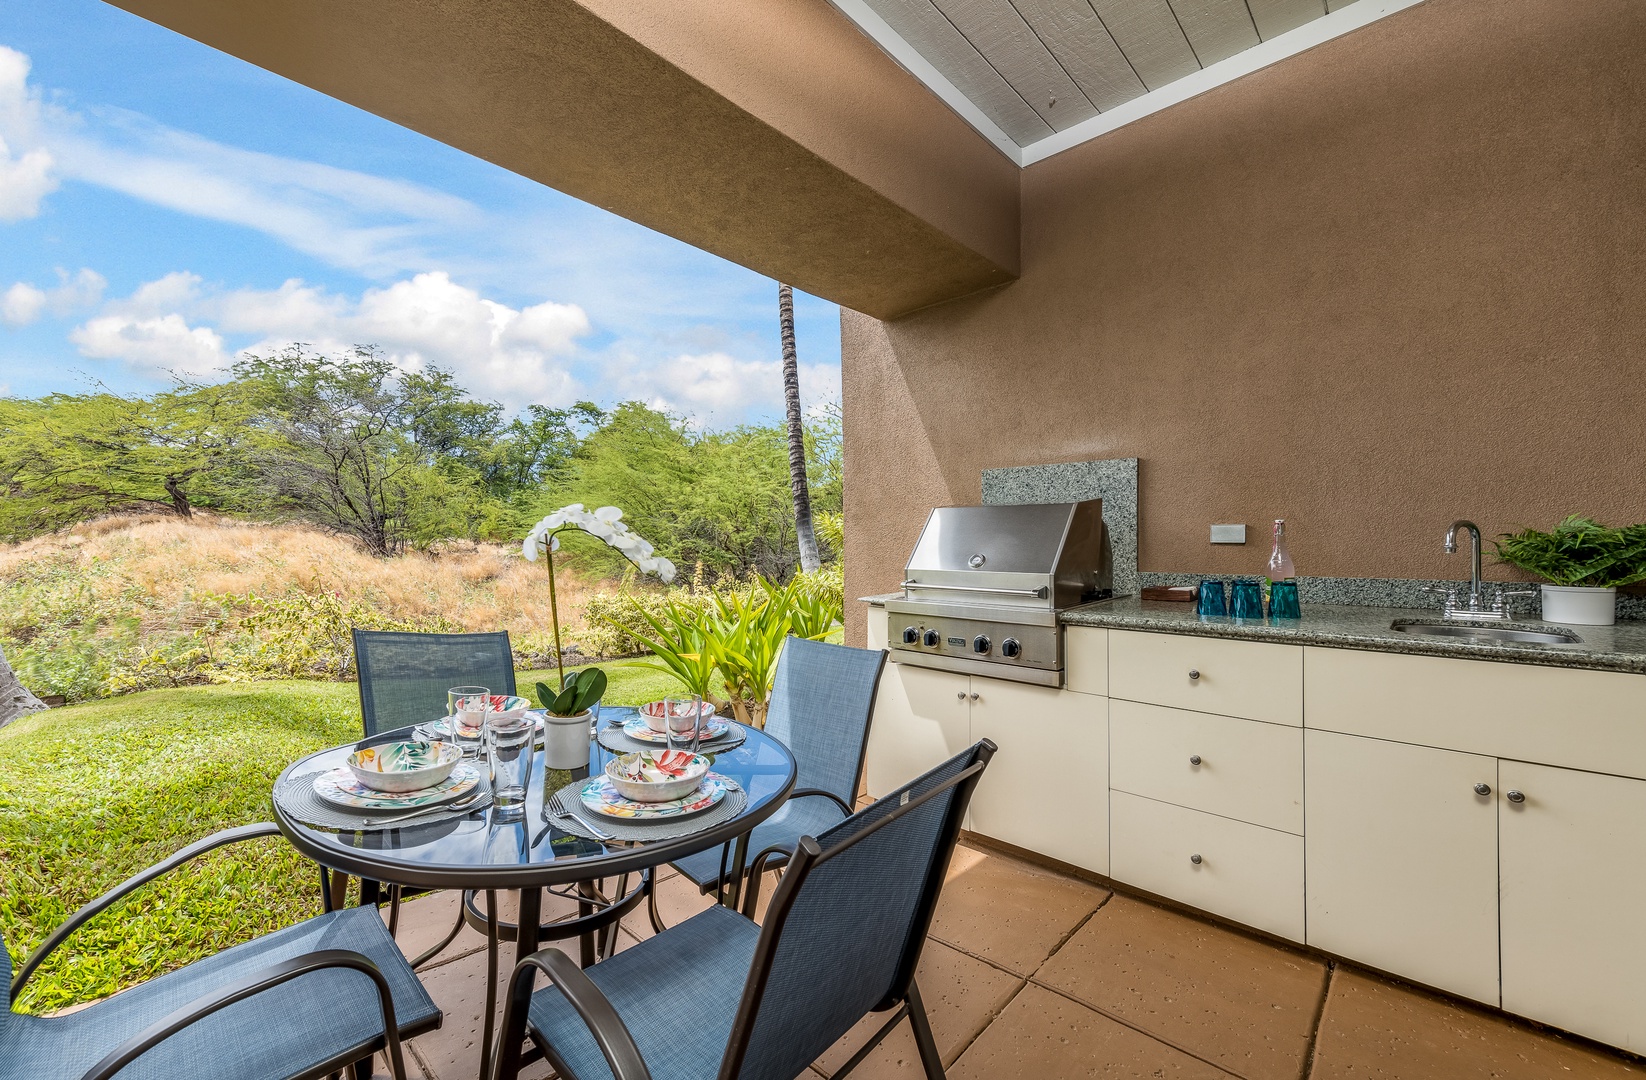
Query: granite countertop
[[1607, 648], [1604, 648]]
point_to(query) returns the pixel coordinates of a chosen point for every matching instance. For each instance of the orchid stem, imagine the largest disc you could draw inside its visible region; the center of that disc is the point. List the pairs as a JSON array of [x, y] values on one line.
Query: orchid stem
[[554, 613]]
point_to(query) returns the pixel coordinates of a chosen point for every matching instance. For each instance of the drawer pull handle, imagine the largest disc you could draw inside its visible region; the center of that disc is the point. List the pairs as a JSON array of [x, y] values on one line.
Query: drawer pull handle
[[1483, 789], [974, 695], [1516, 796], [1196, 859], [1194, 759], [1194, 675], [960, 696]]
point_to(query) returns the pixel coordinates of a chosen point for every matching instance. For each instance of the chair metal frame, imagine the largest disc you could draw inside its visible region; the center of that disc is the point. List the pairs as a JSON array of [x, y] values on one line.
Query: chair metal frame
[[612, 1036], [250, 985]]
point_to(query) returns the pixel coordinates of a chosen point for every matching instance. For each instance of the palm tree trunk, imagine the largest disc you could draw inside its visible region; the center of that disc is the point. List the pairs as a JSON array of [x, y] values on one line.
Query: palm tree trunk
[[797, 434]]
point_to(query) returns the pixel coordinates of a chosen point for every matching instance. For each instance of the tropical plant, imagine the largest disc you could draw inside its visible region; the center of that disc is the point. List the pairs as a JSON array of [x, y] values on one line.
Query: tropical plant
[[1579, 551], [680, 646], [578, 693], [804, 534], [606, 524]]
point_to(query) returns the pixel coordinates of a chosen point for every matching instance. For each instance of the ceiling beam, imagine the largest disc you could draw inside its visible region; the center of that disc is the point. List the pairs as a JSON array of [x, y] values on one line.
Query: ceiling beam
[[775, 135]]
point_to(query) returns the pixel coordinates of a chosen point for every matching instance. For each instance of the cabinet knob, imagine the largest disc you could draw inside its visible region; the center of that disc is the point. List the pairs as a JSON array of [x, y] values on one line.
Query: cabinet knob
[[974, 695], [1196, 859], [1516, 796], [1194, 759], [1194, 675], [960, 696], [1483, 789]]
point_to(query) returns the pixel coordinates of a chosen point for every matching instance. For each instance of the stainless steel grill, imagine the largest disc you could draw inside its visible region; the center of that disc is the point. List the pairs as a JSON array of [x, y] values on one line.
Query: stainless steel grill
[[983, 589]]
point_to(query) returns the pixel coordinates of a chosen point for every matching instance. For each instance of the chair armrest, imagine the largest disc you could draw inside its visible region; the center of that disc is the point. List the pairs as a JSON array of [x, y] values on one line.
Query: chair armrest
[[255, 983], [757, 869], [610, 1033], [801, 793], [120, 891]]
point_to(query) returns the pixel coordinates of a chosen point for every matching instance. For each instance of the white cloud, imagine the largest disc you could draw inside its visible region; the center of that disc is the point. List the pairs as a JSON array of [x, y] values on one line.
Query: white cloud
[[157, 344], [496, 351], [718, 386], [26, 169], [21, 304]]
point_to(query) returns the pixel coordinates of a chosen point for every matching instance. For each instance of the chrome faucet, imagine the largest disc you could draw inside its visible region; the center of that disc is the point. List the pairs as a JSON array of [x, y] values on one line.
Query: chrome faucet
[[1474, 558], [1475, 607]]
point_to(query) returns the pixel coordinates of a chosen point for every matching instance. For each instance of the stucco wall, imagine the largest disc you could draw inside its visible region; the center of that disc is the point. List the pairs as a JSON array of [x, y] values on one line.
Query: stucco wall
[[1392, 281]]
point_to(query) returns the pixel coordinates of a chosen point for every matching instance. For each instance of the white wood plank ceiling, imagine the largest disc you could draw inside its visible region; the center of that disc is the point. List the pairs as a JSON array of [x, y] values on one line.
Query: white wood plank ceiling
[[1039, 76]]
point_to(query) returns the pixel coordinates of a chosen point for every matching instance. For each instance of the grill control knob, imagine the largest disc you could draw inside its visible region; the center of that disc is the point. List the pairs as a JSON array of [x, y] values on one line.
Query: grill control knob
[[910, 635], [930, 639], [1011, 648], [980, 643]]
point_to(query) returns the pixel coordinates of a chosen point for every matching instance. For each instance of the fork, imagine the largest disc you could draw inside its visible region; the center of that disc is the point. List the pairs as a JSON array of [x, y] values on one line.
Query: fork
[[599, 833]]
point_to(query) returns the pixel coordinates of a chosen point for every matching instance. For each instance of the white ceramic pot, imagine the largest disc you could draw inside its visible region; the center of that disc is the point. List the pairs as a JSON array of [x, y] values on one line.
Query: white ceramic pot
[[566, 740], [1580, 605]]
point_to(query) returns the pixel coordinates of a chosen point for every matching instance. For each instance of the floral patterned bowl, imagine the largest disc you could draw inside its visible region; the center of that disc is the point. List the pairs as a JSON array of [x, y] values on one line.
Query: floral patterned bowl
[[404, 766], [653, 712], [653, 776]]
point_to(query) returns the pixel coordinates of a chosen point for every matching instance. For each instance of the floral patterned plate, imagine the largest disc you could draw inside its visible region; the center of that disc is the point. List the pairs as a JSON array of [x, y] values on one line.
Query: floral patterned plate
[[440, 727], [339, 786], [599, 795], [640, 731]]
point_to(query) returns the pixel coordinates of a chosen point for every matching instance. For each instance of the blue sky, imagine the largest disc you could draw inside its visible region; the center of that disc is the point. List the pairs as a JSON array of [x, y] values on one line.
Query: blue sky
[[164, 207]]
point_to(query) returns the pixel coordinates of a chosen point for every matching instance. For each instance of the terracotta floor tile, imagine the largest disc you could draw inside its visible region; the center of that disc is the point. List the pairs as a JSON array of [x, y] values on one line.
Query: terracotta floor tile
[[1375, 1030], [1244, 1004], [1008, 912], [962, 995], [677, 901], [1045, 1036], [459, 988], [424, 920]]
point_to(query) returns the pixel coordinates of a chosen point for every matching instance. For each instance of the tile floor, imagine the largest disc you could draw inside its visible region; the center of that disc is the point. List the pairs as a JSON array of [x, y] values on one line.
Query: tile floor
[[1032, 974]]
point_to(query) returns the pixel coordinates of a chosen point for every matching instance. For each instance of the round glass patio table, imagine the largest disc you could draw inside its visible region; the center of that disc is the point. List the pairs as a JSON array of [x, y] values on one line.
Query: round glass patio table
[[488, 851]]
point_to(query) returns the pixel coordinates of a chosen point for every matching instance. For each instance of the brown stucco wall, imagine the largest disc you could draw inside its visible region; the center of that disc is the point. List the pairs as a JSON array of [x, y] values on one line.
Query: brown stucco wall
[[1395, 280]]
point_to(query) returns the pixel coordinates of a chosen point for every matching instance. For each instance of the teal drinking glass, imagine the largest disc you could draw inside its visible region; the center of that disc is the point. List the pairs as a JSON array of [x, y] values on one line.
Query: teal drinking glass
[[1283, 600], [1209, 600], [1246, 600]]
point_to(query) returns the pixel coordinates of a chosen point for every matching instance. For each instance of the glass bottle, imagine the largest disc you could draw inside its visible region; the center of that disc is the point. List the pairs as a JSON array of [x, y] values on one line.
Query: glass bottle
[[1280, 560]]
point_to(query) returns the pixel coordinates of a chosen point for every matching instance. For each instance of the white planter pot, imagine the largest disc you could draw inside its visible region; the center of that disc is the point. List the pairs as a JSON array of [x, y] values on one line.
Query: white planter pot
[[566, 740], [1583, 606]]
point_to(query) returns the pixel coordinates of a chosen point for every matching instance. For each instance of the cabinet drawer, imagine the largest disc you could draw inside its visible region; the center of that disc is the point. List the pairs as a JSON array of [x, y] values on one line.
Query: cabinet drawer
[[1251, 679], [1593, 720], [1086, 660], [1246, 873], [1247, 769]]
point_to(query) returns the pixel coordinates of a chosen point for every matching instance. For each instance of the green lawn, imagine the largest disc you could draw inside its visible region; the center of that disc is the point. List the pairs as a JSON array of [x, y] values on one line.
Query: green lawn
[[92, 793]]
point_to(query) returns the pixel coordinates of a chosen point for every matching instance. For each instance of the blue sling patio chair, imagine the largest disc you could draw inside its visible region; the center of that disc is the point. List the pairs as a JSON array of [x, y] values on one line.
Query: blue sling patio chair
[[720, 996], [822, 702], [305, 1001]]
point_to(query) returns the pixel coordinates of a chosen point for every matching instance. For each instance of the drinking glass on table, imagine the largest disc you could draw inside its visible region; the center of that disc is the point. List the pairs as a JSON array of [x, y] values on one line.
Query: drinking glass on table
[[683, 717], [467, 706], [509, 741]]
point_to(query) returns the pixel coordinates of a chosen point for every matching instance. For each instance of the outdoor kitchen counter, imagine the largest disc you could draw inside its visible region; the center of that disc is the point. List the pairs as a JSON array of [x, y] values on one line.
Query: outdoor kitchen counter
[[1604, 648]]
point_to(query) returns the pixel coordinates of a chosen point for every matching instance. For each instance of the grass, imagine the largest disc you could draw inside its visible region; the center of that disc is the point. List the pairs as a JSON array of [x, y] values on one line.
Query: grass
[[90, 794]]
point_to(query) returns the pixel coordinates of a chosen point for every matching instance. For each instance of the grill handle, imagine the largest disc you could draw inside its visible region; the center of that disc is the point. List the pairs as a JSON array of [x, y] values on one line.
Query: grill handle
[[1038, 594]]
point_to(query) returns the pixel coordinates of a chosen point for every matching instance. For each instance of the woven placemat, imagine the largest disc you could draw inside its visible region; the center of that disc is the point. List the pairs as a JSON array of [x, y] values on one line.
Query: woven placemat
[[566, 801], [613, 739], [296, 798]]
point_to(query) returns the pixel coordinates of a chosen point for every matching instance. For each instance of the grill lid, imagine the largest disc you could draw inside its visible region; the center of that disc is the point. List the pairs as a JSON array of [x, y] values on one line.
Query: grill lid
[[1040, 555]]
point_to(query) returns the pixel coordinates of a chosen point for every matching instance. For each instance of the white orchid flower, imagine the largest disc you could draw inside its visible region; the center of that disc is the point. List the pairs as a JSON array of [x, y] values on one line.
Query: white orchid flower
[[604, 523]]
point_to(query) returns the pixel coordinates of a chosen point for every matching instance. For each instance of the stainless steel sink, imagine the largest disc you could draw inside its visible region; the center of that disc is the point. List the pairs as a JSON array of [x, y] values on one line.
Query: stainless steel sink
[[1472, 632]]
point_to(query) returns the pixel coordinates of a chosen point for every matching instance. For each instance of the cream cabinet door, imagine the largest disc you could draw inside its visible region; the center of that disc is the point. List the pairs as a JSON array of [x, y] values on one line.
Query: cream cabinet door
[[876, 629], [1573, 875], [921, 719], [1047, 789], [1401, 859]]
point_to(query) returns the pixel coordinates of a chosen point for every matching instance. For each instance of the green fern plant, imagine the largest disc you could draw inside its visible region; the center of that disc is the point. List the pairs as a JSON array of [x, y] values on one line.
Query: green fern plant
[[1579, 551]]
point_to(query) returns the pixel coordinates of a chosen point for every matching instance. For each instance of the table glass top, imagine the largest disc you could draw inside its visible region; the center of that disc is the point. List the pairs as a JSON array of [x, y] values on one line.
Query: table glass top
[[762, 765]]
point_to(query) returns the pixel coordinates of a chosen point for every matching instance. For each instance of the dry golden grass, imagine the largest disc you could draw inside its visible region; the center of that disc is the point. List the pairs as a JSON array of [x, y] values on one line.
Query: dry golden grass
[[163, 568]]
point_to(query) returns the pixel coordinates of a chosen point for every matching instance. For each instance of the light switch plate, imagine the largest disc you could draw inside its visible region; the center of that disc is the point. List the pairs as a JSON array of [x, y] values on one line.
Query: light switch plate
[[1228, 534]]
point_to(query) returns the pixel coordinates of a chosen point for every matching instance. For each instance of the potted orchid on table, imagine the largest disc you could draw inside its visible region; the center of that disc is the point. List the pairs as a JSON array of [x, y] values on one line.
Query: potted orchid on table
[[565, 736]]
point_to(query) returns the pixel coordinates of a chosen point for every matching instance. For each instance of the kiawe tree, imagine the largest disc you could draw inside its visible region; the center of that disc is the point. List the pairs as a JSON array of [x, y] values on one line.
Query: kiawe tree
[[804, 531]]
